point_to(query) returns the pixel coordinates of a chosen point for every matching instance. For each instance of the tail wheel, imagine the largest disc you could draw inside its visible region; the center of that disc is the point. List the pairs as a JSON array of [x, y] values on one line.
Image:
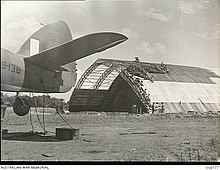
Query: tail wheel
[[21, 106]]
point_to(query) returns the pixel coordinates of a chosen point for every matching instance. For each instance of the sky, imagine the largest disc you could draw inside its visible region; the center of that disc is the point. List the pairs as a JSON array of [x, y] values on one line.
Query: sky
[[183, 32]]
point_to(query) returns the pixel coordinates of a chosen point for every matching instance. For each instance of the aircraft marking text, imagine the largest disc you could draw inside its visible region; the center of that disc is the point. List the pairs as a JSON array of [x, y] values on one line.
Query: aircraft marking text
[[11, 67]]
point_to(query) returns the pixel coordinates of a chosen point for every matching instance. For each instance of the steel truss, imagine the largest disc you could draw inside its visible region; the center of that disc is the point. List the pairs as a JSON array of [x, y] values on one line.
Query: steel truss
[[128, 70]]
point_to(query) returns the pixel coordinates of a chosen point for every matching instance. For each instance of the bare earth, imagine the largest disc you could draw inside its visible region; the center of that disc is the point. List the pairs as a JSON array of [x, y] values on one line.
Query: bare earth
[[112, 137]]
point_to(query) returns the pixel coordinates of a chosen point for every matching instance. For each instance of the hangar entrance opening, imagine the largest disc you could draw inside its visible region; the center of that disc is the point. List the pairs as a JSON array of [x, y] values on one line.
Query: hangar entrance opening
[[120, 86], [119, 98], [123, 99]]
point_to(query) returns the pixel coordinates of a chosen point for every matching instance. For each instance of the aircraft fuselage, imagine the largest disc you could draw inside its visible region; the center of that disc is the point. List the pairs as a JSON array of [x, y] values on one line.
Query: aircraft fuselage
[[12, 71], [17, 75]]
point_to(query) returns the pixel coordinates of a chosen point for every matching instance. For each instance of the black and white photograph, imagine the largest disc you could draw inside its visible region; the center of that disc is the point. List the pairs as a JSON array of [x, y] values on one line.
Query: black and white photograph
[[110, 81]]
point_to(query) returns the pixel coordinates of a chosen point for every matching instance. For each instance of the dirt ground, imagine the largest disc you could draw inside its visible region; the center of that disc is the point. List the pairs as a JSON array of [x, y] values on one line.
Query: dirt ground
[[112, 137]]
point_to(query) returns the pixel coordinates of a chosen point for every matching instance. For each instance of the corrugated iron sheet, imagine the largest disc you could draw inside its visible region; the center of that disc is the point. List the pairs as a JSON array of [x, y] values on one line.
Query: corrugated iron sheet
[[187, 107], [210, 107], [189, 74], [216, 106], [168, 108], [195, 107], [201, 107], [177, 107], [182, 92]]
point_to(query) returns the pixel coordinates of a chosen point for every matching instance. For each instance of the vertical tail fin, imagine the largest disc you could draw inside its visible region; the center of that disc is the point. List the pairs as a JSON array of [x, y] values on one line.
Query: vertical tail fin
[[47, 37]]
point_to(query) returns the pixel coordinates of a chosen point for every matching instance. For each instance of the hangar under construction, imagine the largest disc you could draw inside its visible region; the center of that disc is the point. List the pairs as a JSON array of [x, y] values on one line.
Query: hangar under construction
[[134, 86]]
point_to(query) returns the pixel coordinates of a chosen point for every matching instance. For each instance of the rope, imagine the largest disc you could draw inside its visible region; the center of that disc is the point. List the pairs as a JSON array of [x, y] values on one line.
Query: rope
[[43, 113], [54, 104], [43, 103], [35, 105], [32, 126], [59, 113]]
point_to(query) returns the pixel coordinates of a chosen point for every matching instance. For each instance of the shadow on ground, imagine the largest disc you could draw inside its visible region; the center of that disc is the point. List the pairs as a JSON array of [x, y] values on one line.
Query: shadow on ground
[[31, 136]]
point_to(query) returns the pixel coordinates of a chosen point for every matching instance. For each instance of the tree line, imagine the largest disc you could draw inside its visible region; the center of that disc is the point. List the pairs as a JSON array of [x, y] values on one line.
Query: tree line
[[38, 101]]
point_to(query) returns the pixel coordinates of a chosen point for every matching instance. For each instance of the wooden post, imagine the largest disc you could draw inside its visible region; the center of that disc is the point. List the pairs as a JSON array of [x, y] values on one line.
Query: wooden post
[[140, 110], [3, 108]]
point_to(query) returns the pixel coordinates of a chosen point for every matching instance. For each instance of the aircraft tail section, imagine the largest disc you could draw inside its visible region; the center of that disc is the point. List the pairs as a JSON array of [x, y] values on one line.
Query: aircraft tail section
[[68, 76], [51, 54], [47, 37]]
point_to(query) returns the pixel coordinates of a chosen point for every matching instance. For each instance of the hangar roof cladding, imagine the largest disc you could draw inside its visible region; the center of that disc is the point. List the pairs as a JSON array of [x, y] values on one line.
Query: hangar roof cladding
[[148, 71], [187, 74], [177, 73]]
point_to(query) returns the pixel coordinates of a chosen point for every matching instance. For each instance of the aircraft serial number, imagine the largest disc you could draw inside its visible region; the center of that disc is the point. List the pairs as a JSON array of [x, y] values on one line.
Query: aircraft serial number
[[11, 67]]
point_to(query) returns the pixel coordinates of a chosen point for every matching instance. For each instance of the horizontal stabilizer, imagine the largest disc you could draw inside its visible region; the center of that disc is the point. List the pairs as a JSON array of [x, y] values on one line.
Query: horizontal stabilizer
[[76, 49]]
